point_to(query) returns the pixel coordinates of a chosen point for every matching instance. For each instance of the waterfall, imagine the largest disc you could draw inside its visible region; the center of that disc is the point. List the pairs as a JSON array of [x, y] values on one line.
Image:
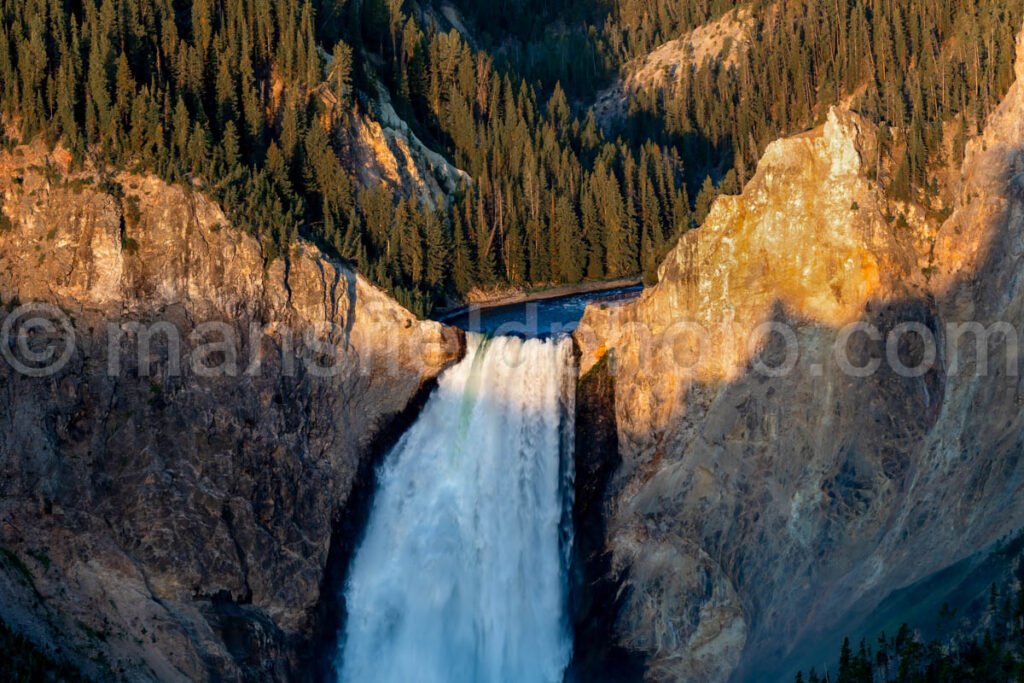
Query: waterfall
[[463, 572]]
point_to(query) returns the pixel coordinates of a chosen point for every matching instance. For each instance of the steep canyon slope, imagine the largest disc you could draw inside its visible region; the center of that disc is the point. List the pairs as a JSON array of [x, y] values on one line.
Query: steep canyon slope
[[725, 40], [756, 511], [167, 515]]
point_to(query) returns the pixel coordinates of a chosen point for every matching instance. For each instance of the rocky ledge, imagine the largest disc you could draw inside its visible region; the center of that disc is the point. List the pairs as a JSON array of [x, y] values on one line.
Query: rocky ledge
[[757, 514], [169, 492]]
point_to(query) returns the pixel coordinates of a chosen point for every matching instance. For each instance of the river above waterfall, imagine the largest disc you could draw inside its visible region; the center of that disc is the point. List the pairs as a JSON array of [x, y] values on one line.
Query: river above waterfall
[[545, 317], [463, 573]]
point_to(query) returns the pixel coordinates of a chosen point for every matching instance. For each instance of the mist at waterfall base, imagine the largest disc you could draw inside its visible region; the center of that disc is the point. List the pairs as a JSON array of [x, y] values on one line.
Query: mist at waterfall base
[[463, 571]]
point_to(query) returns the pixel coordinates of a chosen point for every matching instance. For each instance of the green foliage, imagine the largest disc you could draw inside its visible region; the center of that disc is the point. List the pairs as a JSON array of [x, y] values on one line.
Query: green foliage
[[551, 201], [243, 99], [916, 65], [250, 101], [132, 211], [130, 245]]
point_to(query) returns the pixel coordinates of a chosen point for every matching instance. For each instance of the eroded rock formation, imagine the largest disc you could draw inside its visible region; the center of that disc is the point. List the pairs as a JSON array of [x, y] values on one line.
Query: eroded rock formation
[[387, 153], [757, 512], [158, 523], [725, 40]]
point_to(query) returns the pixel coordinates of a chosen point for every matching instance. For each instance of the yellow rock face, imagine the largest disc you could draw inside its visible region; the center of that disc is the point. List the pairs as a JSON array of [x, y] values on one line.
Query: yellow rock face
[[750, 505], [386, 152], [155, 489], [808, 236]]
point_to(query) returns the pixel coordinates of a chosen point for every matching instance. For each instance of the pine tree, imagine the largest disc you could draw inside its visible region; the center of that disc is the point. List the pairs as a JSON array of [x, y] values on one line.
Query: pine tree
[[462, 261], [98, 106], [705, 198], [570, 256], [438, 250], [846, 669], [619, 243], [181, 128], [230, 147], [198, 149], [341, 74], [67, 100], [225, 92]]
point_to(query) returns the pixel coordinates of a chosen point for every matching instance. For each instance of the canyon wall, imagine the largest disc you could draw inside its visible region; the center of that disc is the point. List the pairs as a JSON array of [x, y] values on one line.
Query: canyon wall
[[169, 495], [772, 491]]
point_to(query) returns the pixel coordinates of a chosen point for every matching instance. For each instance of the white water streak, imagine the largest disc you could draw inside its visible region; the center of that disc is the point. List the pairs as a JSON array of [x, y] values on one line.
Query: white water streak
[[462, 576]]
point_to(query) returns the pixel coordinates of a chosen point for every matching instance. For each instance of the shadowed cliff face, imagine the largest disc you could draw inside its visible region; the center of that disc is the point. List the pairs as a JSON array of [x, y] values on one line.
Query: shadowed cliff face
[[756, 512], [166, 509]]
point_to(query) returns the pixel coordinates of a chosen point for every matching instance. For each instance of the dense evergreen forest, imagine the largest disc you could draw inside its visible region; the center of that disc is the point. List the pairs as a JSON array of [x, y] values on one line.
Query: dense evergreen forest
[[253, 100], [928, 71]]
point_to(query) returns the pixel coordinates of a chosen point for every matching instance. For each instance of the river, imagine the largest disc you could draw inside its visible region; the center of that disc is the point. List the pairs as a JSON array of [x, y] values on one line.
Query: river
[[538, 318]]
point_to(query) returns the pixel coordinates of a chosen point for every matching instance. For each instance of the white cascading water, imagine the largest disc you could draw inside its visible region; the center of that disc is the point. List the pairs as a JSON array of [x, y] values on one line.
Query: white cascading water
[[463, 574]]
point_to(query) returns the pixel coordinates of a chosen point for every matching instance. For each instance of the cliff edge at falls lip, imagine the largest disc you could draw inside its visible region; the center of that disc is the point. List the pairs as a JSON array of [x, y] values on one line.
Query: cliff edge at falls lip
[[154, 523], [754, 514]]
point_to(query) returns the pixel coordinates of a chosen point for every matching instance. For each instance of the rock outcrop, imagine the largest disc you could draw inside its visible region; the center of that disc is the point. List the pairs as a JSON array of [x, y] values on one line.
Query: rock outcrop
[[168, 495], [387, 153], [725, 40], [769, 494]]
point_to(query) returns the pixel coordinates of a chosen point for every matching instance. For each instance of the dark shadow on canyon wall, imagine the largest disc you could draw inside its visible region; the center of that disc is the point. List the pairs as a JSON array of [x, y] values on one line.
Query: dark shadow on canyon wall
[[946, 521], [789, 588], [897, 502], [594, 590], [963, 588]]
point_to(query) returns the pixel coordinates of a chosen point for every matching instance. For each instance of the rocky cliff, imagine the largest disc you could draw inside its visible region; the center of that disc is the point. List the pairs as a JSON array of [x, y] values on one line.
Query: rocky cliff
[[387, 153], [725, 40], [772, 490], [171, 490]]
